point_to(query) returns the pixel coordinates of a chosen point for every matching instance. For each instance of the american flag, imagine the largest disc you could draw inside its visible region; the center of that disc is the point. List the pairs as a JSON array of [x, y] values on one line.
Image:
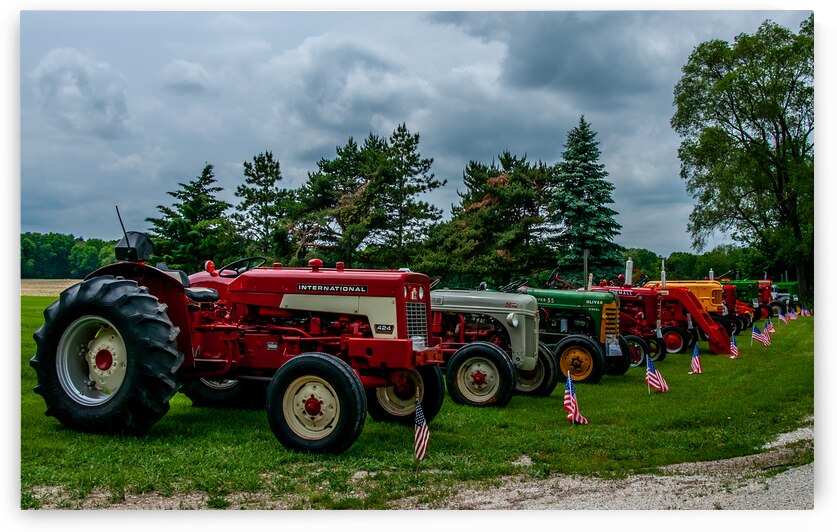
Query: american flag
[[761, 337], [733, 347], [571, 403], [805, 311], [653, 377], [783, 317], [793, 315], [696, 367], [768, 326], [422, 433]]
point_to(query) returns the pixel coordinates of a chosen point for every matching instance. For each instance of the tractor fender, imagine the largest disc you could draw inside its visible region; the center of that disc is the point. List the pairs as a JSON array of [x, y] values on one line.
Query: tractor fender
[[168, 289]]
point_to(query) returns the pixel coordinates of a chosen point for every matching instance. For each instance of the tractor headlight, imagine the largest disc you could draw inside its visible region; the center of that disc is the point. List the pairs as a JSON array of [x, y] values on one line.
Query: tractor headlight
[[512, 319]]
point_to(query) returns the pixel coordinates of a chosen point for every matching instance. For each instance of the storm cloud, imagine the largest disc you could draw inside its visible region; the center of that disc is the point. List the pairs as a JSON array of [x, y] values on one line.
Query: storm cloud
[[120, 107]]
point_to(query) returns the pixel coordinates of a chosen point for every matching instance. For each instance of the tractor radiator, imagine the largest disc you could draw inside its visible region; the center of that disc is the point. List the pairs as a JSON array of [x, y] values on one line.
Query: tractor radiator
[[417, 320], [610, 320]]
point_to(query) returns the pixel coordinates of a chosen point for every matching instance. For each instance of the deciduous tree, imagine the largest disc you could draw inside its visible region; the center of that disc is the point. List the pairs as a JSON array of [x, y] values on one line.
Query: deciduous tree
[[745, 111]]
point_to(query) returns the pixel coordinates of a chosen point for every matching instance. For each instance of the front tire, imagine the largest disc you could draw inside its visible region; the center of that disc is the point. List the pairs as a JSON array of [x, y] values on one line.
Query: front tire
[[638, 348], [398, 403], [658, 347], [542, 380], [316, 403], [106, 357], [674, 339], [480, 374], [580, 355]]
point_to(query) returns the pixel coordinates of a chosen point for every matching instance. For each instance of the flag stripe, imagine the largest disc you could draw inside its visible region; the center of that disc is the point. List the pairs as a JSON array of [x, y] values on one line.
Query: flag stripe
[[422, 436], [653, 377], [571, 403]]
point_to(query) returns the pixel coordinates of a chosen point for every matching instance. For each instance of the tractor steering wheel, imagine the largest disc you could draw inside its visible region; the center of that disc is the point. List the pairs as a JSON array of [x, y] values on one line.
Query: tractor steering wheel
[[514, 285], [236, 268]]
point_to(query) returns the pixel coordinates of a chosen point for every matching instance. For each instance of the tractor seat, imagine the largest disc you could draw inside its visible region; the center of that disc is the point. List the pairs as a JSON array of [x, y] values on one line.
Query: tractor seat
[[201, 294], [196, 294]]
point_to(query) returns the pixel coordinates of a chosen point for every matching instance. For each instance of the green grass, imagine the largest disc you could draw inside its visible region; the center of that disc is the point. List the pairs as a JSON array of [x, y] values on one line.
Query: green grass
[[732, 409]]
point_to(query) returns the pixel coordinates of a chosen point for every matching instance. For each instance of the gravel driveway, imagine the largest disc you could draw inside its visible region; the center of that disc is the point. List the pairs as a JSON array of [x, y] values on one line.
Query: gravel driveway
[[742, 483]]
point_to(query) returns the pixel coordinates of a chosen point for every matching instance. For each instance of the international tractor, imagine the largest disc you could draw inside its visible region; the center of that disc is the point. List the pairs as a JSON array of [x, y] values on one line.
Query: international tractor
[[490, 345], [329, 344], [582, 330]]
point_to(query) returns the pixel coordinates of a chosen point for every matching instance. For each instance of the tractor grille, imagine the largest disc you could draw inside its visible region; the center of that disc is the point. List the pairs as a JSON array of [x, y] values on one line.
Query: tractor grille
[[610, 320], [717, 297], [417, 320]]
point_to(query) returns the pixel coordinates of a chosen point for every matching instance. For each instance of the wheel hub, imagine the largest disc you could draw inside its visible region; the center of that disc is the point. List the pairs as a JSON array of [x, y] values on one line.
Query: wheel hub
[[106, 360], [478, 379], [313, 406]]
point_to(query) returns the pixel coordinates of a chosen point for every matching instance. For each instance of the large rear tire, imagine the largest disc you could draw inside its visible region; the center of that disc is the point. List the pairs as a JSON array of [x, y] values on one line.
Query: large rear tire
[[316, 403], [580, 355], [398, 403], [106, 357], [778, 306], [621, 366], [726, 323], [481, 374], [764, 312], [541, 381]]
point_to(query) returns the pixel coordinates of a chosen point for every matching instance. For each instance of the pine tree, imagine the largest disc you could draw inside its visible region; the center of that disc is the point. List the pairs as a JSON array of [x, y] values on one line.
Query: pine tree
[[579, 207], [263, 206], [192, 229], [335, 208], [401, 219]]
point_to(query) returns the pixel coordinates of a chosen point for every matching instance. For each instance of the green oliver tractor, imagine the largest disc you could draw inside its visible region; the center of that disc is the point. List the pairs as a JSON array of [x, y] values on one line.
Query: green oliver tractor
[[582, 329]]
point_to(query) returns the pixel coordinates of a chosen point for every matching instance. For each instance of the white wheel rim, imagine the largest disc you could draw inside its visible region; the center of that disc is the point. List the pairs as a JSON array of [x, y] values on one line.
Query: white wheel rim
[[220, 384], [642, 354], [401, 401], [311, 407], [478, 379], [91, 361], [530, 380]]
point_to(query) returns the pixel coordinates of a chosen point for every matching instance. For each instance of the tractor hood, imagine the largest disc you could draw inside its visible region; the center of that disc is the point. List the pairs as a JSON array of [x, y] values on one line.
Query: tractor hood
[[482, 301], [579, 298]]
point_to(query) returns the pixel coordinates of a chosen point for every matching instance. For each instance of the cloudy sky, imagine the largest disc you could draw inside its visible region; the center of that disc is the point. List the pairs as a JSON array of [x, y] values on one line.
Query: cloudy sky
[[117, 108]]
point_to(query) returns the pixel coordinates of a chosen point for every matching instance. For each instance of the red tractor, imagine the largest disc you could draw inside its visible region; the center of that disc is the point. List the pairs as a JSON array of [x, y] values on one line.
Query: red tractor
[[639, 321], [328, 344]]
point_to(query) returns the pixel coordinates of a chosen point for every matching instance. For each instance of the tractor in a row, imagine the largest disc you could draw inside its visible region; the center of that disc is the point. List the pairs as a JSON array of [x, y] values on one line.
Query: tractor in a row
[[324, 345]]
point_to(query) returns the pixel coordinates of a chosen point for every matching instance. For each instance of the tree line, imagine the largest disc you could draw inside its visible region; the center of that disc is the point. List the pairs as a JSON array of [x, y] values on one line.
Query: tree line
[[367, 207], [60, 256]]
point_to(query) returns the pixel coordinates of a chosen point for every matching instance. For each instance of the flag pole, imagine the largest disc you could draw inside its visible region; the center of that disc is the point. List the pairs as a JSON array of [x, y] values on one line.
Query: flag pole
[[570, 374]]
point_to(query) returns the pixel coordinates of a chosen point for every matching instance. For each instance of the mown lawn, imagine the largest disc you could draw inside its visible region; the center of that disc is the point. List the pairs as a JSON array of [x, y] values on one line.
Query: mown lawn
[[732, 409]]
